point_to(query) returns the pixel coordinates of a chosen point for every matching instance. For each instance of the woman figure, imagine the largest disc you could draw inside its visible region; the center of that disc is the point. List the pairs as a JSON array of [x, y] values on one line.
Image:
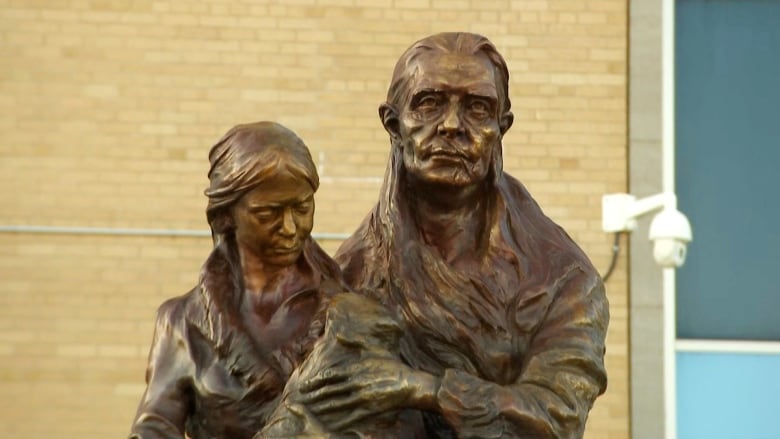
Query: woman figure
[[222, 352]]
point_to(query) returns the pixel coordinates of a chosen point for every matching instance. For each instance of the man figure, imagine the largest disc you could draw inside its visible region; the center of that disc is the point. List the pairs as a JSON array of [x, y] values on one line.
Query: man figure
[[504, 315]]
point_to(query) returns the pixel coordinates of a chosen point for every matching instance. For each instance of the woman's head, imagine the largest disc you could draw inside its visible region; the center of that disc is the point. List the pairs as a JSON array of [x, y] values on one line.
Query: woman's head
[[252, 164]]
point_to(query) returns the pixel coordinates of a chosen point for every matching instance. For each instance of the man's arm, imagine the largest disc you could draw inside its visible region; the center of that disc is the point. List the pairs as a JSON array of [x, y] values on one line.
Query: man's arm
[[563, 373]]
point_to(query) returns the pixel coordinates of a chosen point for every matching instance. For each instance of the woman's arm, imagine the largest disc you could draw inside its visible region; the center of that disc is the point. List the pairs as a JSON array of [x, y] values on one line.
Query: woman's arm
[[165, 405]]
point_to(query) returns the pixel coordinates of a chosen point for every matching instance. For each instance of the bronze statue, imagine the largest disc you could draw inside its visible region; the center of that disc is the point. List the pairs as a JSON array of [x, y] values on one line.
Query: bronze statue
[[504, 316], [223, 352]]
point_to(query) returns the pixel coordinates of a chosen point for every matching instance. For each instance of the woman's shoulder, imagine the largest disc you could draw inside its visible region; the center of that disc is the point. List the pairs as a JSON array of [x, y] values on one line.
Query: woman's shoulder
[[174, 309]]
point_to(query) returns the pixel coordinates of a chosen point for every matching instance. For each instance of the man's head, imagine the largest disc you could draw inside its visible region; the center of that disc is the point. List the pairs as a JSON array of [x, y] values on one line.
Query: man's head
[[448, 107]]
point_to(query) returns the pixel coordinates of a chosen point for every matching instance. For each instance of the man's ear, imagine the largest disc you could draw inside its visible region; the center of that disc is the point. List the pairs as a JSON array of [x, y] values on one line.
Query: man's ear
[[505, 122], [389, 117]]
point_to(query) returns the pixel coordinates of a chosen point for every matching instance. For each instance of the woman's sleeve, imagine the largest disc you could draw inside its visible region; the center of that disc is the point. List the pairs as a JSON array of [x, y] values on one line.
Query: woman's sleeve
[[562, 374], [164, 407]]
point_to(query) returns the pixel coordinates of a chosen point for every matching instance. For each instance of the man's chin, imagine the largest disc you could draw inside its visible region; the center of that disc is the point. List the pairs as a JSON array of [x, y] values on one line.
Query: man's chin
[[453, 177]]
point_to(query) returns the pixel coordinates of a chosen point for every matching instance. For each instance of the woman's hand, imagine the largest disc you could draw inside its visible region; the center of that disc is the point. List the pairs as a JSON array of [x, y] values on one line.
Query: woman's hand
[[365, 389]]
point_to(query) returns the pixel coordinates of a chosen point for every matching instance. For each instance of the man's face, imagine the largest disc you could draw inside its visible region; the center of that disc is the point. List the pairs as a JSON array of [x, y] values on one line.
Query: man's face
[[449, 126], [273, 220]]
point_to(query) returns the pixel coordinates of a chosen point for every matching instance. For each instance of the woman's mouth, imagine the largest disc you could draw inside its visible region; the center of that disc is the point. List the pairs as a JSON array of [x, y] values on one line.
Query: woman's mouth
[[283, 250]]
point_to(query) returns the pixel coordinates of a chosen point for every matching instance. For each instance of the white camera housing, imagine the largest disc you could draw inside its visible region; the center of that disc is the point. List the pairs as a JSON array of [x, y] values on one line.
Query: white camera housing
[[670, 230]]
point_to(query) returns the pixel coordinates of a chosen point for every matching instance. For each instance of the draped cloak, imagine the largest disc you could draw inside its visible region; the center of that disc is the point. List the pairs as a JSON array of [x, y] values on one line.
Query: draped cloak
[[211, 377], [519, 355]]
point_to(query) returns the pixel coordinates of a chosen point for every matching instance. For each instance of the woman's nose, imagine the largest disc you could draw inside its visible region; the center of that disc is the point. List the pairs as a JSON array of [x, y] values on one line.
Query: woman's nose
[[288, 223]]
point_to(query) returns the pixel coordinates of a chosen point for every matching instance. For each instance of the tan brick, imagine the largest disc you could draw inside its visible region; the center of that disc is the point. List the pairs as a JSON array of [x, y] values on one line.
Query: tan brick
[[112, 108]]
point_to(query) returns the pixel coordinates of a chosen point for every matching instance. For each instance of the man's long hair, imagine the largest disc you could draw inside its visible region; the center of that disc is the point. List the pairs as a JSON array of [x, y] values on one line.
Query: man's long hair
[[447, 308]]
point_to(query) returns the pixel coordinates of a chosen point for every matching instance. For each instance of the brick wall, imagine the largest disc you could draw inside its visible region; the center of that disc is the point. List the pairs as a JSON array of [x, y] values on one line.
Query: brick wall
[[110, 106]]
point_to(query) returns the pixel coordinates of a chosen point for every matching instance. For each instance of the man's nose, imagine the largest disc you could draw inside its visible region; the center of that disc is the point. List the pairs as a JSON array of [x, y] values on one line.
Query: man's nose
[[288, 227], [451, 124]]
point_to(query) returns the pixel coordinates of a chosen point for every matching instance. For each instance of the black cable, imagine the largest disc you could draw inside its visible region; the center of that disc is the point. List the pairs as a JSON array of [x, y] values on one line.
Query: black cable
[[615, 253]]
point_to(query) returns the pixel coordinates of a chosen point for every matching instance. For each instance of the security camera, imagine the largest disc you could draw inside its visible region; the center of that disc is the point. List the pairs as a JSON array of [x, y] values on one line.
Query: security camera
[[670, 232]]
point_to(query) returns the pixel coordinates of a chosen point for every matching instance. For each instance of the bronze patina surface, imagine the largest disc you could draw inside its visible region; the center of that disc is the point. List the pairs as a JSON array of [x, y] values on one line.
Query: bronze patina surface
[[223, 352], [472, 314], [357, 329], [504, 316]]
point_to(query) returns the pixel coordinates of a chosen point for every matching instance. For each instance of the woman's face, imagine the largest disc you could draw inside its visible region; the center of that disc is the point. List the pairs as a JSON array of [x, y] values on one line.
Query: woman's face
[[274, 219]]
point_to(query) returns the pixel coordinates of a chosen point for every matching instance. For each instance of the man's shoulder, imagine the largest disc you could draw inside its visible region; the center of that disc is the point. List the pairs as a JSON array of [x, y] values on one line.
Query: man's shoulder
[[361, 241], [516, 195]]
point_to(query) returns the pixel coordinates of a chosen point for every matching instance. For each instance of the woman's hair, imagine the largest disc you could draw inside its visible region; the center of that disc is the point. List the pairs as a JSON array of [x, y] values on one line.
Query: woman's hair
[[243, 159]]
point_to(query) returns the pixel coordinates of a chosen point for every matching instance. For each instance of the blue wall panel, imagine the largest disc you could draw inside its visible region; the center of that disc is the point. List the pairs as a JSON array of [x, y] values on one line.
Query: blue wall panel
[[728, 167], [728, 396]]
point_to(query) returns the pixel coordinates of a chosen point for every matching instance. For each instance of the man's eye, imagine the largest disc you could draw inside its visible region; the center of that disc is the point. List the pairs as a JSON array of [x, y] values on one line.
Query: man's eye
[[479, 108], [427, 103]]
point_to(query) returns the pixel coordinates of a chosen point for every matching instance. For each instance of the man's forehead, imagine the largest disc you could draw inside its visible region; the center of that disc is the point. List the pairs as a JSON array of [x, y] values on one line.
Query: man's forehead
[[441, 71]]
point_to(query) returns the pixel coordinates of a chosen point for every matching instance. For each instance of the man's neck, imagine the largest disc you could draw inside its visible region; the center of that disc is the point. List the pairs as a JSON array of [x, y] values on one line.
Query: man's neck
[[451, 219]]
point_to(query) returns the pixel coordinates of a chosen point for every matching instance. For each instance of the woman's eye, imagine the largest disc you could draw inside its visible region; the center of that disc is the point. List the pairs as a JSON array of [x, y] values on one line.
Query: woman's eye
[[303, 208], [264, 213]]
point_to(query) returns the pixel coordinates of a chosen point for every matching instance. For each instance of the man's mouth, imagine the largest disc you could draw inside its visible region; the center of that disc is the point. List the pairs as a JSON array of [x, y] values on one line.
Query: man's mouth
[[448, 152], [447, 159]]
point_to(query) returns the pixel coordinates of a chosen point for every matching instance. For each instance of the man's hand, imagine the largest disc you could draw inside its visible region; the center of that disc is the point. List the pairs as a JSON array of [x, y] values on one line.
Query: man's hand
[[307, 426], [361, 390], [311, 426]]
